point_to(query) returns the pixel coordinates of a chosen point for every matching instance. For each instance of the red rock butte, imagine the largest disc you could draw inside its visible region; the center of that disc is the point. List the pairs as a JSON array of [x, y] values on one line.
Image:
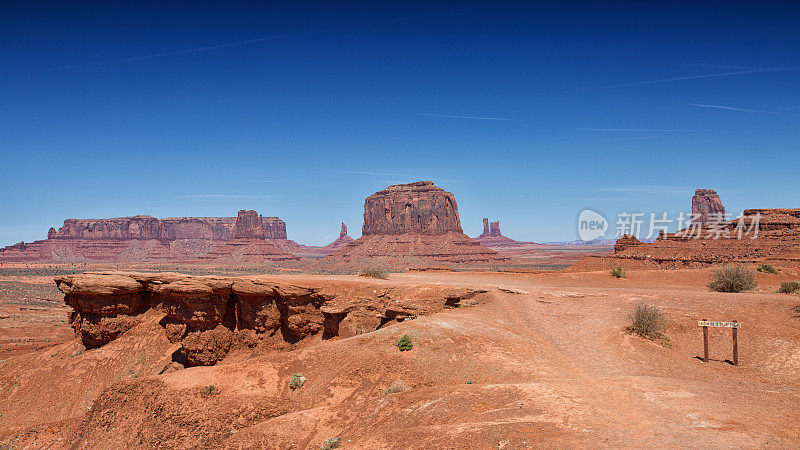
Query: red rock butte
[[707, 207], [493, 238], [412, 225], [249, 243]]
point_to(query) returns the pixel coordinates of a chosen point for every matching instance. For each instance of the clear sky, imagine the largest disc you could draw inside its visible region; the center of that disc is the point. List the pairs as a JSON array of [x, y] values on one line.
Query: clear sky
[[528, 112]]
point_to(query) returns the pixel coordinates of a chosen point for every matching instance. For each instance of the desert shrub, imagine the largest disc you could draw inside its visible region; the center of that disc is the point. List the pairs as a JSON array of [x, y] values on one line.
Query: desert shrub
[[789, 287], [404, 343], [330, 443], [375, 273], [733, 278], [647, 321], [297, 381], [209, 391], [766, 268], [397, 386], [618, 272]]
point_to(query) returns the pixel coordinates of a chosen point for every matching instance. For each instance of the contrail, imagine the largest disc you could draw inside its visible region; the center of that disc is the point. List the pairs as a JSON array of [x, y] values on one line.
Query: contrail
[[193, 50], [730, 108], [659, 130], [670, 80], [453, 116]]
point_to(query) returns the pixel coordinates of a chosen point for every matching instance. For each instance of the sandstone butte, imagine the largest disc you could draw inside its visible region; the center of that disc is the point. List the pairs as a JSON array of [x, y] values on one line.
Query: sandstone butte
[[776, 232], [493, 238], [146, 238], [249, 244], [707, 207], [412, 225]]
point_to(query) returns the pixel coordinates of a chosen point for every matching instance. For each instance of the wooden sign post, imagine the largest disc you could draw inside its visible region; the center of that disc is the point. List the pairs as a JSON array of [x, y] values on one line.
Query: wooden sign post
[[734, 326]]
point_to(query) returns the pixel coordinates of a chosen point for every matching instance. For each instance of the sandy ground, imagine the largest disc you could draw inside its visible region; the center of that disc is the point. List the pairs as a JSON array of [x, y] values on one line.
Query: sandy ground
[[547, 363]]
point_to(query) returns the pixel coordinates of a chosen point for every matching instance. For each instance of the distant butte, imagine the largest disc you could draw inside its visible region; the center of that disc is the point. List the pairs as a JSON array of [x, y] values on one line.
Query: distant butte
[[249, 243], [412, 225], [492, 238], [707, 207]]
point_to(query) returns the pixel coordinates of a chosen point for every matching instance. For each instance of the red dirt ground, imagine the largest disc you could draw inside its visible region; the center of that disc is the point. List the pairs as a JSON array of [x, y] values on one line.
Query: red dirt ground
[[547, 363]]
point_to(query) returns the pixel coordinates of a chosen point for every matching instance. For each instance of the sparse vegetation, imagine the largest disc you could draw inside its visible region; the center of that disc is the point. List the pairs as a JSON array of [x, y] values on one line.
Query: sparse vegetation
[[789, 287], [733, 278], [618, 272], [375, 273], [297, 381], [404, 343], [330, 443], [397, 386], [647, 321], [767, 268], [470, 382], [209, 391]]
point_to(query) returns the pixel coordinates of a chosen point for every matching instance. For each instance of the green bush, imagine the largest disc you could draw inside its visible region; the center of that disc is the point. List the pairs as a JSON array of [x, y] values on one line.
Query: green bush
[[618, 272], [789, 287], [209, 391], [330, 443], [647, 321], [397, 386], [766, 268], [404, 343], [375, 273], [733, 278], [297, 381]]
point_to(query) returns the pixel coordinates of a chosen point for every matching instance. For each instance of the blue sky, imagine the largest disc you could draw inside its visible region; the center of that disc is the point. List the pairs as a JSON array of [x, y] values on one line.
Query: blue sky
[[528, 112]]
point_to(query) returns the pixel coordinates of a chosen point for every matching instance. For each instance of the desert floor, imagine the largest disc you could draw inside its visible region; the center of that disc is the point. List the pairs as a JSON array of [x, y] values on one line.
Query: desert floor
[[547, 362]]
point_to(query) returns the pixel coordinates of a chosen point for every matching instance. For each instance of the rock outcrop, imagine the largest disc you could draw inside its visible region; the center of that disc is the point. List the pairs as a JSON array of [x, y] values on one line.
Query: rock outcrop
[[412, 225], [138, 238], [760, 235], [340, 242], [493, 238], [707, 207], [624, 242], [208, 315]]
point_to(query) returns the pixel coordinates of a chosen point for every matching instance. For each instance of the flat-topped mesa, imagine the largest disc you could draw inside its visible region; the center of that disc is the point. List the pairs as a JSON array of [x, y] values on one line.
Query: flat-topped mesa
[[143, 238], [167, 229], [249, 225], [707, 207], [418, 207]]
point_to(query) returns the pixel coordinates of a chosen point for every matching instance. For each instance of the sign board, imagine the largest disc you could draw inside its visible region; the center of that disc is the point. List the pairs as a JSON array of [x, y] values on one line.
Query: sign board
[[710, 323]]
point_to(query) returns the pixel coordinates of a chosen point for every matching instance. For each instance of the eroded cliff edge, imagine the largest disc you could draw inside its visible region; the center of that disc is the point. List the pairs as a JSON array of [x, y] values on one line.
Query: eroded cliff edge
[[209, 315]]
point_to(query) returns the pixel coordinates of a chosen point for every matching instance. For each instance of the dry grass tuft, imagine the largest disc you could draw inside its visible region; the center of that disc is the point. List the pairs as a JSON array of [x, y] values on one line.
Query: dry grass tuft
[[733, 278], [397, 386], [647, 321], [375, 273]]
